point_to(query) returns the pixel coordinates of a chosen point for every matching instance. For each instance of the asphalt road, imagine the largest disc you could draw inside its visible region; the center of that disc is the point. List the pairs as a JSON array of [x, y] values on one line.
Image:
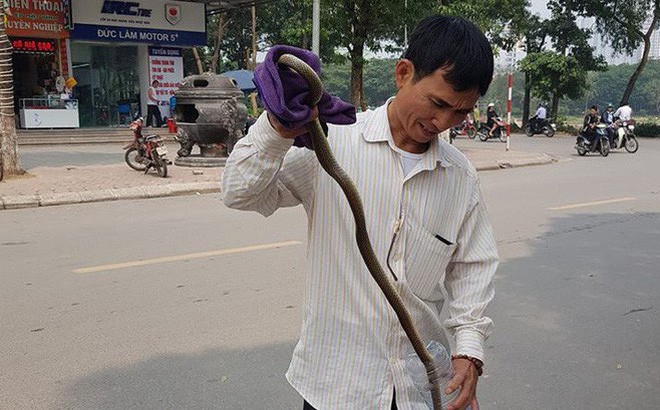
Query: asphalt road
[[112, 153], [32, 156], [172, 303]]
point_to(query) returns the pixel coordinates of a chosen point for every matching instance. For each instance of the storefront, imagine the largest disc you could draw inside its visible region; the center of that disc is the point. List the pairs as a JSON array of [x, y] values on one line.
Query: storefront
[[38, 32], [118, 48]]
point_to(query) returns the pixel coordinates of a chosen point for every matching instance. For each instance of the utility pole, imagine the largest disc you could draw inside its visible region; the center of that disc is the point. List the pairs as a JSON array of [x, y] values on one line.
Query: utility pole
[[405, 26], [316, 26]]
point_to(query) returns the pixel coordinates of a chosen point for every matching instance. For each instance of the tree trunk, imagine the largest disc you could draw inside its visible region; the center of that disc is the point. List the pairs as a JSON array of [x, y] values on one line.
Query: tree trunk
[[198, 61], [555, 106], [357, 70], [527, 98], [360, 26], [645, 57], [8, 139], [223, 21]]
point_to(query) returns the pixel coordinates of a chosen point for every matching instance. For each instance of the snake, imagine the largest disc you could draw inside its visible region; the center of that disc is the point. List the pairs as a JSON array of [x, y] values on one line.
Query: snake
[[328, 162]]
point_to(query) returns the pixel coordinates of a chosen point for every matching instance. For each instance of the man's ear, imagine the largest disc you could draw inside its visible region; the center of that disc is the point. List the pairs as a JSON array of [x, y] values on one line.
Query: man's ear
[[404, 71]]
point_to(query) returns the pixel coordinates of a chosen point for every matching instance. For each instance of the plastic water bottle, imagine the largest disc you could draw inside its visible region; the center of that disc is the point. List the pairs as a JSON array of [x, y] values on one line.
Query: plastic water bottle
[[444, 371]]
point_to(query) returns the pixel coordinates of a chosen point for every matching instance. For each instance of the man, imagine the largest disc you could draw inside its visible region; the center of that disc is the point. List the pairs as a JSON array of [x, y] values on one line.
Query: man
[[425, 215], [476, 116], [153, 112], [623, 113], [589, 124], [491, 119], [607, 117], [540, 115]]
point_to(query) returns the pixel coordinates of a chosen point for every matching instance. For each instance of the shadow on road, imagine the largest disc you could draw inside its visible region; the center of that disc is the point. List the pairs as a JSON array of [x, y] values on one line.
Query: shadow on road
[[576, 327], [217, 378], [577, 320]]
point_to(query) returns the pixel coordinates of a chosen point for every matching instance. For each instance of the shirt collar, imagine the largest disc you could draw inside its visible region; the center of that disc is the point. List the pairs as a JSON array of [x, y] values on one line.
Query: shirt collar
[[377, 129]]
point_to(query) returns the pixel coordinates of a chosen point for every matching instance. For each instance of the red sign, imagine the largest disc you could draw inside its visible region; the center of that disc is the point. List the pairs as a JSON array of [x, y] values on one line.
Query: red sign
[[37, 18], [33, 45]]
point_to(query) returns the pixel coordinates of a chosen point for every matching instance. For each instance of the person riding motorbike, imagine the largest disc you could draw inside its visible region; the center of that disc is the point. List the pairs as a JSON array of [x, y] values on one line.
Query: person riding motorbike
[[540, 117], [491, 119], [607, 117], [589, 125], [476, 116], [623, 113]]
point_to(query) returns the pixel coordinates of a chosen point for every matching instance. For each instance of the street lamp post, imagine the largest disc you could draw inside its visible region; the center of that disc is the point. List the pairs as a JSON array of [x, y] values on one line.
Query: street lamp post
[[316, 26]]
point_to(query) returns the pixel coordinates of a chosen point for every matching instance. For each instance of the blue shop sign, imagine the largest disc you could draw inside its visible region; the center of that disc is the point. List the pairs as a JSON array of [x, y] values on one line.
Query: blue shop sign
[[174, 23], [137, 35]]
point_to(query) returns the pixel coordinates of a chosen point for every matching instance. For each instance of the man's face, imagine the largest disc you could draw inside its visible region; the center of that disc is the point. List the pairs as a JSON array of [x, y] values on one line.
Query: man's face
[[427, 107]]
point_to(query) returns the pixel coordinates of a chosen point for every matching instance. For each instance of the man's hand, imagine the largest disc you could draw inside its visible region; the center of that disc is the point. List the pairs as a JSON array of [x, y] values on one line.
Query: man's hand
[[465, 379], [287, 133]]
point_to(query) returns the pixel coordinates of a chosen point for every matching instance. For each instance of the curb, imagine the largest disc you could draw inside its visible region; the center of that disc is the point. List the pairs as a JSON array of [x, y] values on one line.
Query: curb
[[543, 159], [141, 192], [159, 191]]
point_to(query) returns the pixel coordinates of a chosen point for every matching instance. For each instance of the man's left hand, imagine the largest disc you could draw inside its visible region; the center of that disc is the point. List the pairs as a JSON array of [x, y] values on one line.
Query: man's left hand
[[465, 379]]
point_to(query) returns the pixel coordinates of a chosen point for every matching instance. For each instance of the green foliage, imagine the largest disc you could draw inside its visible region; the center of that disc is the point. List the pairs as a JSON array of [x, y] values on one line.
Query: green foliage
[[504, 21], [619, 22], [607, 87], [650, 130], [564, 125], [554, 74], [378, 80]]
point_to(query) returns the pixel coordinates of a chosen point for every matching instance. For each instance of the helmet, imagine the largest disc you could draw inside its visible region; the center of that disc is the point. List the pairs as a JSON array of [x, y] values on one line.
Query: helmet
[[491, 105], [609, 105]]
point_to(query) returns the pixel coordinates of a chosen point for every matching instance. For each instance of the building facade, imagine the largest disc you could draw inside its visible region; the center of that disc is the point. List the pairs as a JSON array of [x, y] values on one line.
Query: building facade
[[113, 49]]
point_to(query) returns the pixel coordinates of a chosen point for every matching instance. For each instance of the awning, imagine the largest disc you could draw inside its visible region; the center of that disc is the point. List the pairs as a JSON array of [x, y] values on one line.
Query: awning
[[243, 79], [220, 6]]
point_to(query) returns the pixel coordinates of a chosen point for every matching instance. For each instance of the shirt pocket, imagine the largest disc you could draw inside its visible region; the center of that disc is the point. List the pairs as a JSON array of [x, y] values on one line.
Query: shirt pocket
[[427, 258]]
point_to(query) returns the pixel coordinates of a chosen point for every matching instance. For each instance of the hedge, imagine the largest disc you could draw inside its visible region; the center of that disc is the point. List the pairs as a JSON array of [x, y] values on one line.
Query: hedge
[[647, 129]]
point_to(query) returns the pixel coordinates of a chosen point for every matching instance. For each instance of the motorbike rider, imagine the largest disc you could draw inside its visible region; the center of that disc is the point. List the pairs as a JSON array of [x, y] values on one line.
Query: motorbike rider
[[476, 115], [589, 125], [491, 119], [623, 113], [607, 117], [539, 118]]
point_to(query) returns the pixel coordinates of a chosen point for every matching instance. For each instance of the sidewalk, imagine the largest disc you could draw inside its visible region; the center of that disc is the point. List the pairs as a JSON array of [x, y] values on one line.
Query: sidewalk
[[44, 186]]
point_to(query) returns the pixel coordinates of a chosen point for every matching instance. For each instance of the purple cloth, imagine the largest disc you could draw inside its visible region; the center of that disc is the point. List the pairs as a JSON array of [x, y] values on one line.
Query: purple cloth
[[283, 93]]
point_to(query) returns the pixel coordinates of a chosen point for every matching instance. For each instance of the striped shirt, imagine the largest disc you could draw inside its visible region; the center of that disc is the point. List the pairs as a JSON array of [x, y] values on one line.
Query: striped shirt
[[430, 227]]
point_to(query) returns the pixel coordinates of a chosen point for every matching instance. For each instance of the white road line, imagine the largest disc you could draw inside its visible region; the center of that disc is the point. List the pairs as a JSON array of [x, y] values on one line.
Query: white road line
[[176, 258], [585, 204]]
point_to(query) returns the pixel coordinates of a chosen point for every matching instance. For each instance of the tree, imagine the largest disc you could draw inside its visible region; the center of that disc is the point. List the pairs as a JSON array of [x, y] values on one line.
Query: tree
[[534, 33], [503, 21], [623, 24], [8, 152], [370, 24], [573, 55], [555, 75]]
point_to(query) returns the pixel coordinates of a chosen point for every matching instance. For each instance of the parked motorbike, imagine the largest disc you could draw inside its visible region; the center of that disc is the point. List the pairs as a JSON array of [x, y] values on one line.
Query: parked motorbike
[[146, 152], [466, 127], [500, 131], [600, 144], [625, 136], [540, 126]]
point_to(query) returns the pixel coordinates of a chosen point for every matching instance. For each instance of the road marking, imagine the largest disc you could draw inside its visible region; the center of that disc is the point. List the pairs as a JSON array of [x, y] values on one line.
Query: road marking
[[585, 204], [177, 258]]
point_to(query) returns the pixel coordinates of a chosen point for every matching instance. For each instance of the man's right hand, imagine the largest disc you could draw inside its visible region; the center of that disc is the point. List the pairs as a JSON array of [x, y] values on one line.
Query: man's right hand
[[290, 133]]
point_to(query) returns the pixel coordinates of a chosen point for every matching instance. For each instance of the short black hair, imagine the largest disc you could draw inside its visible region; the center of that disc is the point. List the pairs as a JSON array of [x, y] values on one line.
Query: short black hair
[[455, 44], [594, 107]]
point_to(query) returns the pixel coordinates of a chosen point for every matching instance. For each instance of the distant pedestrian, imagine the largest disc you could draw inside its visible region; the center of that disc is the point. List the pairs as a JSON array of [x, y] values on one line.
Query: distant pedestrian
[[152, 106]]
